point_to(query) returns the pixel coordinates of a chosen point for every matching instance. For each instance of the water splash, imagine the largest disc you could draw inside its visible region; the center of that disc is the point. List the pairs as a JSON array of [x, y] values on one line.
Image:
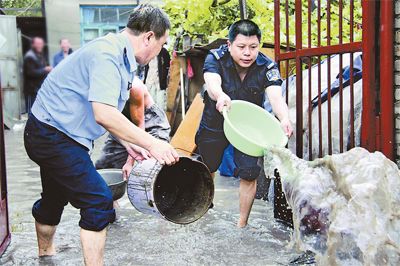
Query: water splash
[[345, 206]]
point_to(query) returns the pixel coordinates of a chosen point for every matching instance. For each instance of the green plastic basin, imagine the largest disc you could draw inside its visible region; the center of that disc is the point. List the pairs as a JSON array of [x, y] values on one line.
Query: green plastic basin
[[251, 129]]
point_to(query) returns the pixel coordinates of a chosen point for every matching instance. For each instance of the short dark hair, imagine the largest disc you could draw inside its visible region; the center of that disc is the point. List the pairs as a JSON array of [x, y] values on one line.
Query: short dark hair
[[35, 39], [245, 27], [146, 18], [62, 39]]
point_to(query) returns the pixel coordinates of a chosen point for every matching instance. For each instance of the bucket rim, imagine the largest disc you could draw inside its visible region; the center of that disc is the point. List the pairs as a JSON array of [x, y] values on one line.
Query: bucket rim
[[149, 190], [113, 170], [212, 192]]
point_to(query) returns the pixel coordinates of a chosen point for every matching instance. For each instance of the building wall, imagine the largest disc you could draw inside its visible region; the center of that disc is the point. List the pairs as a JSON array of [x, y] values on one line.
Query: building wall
[[397, 79], [63, 20], [10, 63]]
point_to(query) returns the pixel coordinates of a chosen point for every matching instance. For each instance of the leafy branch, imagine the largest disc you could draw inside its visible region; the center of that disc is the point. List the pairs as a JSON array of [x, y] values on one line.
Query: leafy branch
[[212, 19]]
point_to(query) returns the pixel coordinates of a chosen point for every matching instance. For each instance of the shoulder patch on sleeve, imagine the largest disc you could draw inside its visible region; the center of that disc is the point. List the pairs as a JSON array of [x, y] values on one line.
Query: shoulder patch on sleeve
[[271, 65], [273, 74], [220, 52], [216, 55]]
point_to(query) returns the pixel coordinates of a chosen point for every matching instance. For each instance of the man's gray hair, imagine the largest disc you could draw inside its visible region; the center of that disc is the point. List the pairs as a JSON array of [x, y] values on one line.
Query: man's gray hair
[[146, 18]]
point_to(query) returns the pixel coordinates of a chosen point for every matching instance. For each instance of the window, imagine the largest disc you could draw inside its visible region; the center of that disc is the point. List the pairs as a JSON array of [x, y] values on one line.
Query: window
[[98, 21], [90, 34]]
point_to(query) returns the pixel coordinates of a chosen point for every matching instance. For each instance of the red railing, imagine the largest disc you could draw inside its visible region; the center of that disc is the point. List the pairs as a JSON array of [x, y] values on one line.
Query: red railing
[[386, 79], [316, 129], [370, 121], [5, 233]]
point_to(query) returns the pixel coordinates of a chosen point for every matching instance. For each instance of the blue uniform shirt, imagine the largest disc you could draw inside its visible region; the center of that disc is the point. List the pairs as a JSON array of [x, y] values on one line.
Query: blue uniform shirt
[[101, 71], [262, 74], [58, 57]]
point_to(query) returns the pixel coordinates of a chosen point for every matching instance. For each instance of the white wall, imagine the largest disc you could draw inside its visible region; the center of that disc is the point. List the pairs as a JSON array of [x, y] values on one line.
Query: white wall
[[10, 54], [63, 20]]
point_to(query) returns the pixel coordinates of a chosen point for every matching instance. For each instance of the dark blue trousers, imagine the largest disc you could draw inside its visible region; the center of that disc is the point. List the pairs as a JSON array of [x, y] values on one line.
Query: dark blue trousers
[[211, 145], [68, 176]]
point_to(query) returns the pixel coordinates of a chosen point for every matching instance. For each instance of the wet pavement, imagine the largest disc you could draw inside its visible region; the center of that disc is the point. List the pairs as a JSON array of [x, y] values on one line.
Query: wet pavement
[[139, 239]]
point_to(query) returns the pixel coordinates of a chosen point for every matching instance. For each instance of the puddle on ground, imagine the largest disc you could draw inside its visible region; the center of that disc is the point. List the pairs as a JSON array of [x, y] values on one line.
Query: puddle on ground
[[139, 239], [345, 206]]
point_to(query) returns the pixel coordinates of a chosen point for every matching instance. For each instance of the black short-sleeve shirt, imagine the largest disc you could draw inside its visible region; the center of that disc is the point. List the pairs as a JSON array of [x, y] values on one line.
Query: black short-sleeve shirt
[[262, 74]]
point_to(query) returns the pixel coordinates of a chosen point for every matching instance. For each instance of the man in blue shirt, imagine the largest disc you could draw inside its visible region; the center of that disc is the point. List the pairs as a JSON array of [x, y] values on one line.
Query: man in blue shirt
[[63, 53], [238, 71], [78, 103]]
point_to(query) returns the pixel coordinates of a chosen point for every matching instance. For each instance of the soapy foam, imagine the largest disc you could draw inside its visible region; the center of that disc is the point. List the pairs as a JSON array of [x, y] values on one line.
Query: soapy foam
[[345, 206]]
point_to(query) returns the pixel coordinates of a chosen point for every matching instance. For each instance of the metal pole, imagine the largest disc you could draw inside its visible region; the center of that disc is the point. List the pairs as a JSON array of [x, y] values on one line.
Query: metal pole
[[386, 78], [5, 234], [299, 81], [43, 6], [368, 127], [277, 28], [243, 9], [182, 93]]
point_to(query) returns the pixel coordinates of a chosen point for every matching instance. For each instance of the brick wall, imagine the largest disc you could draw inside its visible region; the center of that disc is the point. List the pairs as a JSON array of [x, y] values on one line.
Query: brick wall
[[397, 78]]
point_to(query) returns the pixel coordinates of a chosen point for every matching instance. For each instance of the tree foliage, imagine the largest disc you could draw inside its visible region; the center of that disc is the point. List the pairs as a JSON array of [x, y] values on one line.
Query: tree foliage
[[25, 5], [212, 19]]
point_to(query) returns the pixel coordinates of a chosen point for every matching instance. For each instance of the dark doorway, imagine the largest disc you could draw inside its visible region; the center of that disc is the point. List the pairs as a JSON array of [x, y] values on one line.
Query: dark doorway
[[32, 27]]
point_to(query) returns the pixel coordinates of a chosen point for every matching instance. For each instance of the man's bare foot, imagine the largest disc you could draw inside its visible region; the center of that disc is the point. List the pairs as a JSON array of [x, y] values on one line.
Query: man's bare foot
[[51, 251], [93, 246], [241, 224], [45, 236], [247, 192]]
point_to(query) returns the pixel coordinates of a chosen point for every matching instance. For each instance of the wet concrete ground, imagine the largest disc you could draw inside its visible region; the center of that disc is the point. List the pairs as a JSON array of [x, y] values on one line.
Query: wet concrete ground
[[138, 239]]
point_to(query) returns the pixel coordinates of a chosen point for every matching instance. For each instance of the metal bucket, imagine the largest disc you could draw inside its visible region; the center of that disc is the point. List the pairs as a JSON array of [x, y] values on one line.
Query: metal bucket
[[115, 181], [181, 193]]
